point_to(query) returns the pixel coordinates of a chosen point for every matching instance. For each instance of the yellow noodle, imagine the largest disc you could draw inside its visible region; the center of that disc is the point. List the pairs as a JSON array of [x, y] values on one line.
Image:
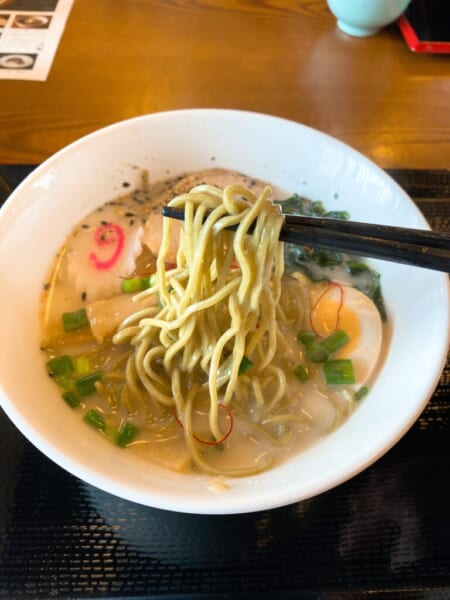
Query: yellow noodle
[[217, 306]]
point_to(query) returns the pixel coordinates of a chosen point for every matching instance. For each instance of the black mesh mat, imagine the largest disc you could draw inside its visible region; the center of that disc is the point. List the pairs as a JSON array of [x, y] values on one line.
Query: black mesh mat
[[383, 534]]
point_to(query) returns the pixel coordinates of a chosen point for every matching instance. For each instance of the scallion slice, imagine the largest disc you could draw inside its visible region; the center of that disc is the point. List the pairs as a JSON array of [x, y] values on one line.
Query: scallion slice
[[71, 398], [73, 321], [133, 285], [245, 365], [85, 386], [149, 281], [82, 365], [363, 391], [301, 373], [305, 336], [60, 365], [126, 434], [316, 352], [95, 419], [339, 371], [335, 341]]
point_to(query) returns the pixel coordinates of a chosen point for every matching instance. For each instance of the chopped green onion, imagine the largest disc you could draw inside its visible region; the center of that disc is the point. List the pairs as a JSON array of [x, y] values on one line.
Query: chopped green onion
[[335, 341], [363, 391], [71, 399], [85, 386], [65, 382], [127, 433], [73, 321], [149, 281], [316, 352], [301, 373], [339, 371], [245, 365], [60, 365], [82, 365], [130, 286], [305, 336], [95, 419]]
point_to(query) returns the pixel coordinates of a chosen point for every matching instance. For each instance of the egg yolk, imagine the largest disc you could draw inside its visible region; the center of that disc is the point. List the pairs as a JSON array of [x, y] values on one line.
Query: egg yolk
[[328, 315]]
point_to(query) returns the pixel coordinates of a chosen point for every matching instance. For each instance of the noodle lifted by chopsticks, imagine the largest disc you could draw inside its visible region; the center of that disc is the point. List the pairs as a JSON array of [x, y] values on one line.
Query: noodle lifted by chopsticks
[[217, 306]]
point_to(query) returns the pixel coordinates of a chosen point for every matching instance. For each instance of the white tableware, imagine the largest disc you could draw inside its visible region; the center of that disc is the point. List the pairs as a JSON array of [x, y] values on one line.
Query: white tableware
[[363, 18], [42, 211]]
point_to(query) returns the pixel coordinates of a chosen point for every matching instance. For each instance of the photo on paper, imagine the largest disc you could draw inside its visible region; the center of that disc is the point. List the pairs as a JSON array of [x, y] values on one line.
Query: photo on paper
[[31, 5], [17, 61], [35, 21]]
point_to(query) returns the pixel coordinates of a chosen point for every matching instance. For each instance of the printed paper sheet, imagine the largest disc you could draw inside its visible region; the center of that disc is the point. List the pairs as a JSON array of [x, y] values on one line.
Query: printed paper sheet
[[30, 32]]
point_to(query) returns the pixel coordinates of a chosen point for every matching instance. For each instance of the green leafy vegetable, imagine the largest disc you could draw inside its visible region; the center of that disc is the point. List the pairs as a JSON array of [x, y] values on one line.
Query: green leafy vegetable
[[316, 263]]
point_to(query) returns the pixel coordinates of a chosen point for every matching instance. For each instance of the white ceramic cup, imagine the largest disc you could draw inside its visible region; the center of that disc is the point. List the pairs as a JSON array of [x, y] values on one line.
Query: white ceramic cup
[[362, 18]]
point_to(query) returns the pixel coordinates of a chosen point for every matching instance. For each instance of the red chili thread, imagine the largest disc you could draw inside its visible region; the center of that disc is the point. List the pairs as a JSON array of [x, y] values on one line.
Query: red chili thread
[[208, 443], [338, 313], [111, 233]]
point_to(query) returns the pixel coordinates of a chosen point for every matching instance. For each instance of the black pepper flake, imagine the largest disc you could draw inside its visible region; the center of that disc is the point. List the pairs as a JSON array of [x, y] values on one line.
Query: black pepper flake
[[131, 222], [85, 226], [47, 286], [104, 223], [83, 296], [130, 214], [126, 184], [252, 182]]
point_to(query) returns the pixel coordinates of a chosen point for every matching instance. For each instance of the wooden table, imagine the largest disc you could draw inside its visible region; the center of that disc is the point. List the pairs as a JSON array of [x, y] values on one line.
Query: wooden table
[[118, 59]]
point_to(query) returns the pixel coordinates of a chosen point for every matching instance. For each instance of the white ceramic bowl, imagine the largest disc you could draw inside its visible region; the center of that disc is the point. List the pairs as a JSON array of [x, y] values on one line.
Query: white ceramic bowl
[[41, 212]]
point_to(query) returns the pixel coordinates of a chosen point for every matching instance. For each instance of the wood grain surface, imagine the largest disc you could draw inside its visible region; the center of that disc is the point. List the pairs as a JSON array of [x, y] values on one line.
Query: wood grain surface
[[122, 58]]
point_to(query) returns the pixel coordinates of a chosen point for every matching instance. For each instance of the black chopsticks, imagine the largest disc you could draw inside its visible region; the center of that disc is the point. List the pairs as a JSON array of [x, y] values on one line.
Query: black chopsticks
[[421, 248]]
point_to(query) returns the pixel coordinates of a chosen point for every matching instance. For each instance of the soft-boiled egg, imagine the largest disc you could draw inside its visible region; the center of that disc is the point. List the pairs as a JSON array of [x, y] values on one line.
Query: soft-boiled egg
[[335, 306]]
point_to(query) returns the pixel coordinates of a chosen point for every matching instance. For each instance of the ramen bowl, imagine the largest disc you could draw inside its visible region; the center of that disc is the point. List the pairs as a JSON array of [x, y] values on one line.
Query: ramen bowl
[[43, 210]]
